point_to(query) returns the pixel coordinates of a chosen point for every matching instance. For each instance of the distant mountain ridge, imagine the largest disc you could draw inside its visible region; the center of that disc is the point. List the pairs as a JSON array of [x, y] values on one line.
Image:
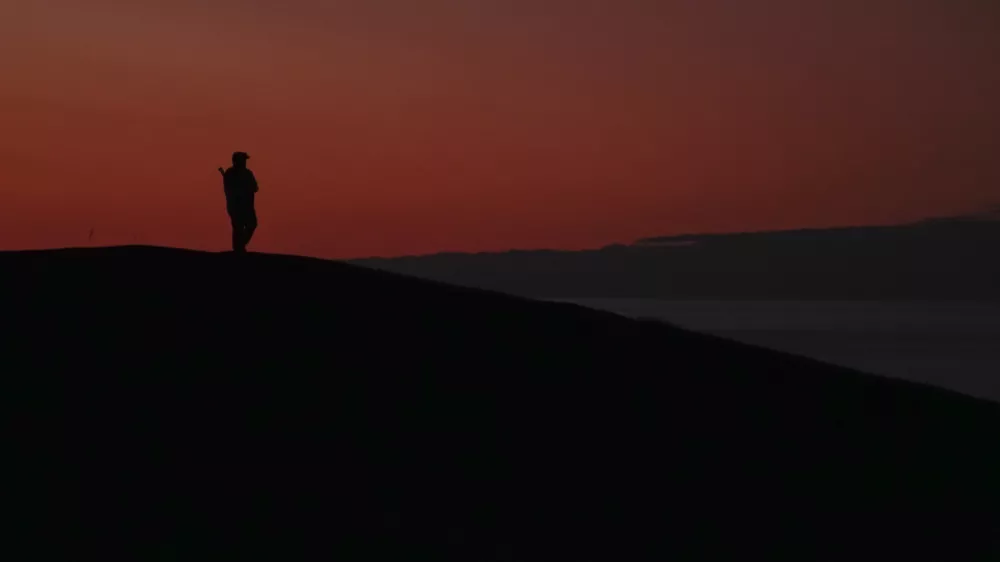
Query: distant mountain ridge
[[951, 258]]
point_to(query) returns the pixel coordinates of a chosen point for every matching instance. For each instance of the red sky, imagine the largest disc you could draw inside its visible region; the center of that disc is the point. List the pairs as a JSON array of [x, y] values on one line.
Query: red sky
[[387, 127]]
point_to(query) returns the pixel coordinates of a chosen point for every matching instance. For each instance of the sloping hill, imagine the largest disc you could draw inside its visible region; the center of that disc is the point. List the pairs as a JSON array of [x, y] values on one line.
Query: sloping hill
[[175, 405], [934, 260]]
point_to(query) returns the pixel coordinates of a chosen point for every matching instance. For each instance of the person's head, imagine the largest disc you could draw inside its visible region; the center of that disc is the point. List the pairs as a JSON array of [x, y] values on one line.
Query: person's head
[[240, 159]]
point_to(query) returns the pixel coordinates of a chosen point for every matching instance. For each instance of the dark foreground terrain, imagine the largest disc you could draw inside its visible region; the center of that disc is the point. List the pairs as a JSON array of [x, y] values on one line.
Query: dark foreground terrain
[[174, 405]]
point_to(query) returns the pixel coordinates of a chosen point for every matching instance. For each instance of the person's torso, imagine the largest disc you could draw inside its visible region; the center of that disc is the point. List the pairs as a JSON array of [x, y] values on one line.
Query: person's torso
[[238, 182]]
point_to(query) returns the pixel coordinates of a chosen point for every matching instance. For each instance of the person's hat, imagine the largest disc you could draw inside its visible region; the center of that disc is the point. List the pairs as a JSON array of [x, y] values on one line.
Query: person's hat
[[241, 156]]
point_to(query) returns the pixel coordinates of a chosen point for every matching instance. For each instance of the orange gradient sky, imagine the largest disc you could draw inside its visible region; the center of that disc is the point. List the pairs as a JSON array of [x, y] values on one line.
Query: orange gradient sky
[[387, 127]]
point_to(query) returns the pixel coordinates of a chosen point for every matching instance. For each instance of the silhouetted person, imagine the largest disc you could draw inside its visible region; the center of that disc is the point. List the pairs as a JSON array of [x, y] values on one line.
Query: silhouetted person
[[240, 186]]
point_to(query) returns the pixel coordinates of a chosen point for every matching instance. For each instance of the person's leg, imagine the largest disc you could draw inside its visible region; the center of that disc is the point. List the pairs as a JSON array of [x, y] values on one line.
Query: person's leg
[[237, 224], [249, 225]]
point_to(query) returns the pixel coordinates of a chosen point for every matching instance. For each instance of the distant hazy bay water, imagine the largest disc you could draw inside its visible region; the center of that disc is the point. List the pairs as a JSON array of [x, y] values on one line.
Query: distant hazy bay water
[[954, 345]]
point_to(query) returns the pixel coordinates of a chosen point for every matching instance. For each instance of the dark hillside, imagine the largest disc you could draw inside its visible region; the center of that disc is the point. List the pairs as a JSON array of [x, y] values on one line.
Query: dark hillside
[[176, 405]]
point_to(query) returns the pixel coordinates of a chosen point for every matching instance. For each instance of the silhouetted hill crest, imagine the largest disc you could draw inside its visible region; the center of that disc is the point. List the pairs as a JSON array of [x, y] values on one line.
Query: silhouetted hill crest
[[266, 407]]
